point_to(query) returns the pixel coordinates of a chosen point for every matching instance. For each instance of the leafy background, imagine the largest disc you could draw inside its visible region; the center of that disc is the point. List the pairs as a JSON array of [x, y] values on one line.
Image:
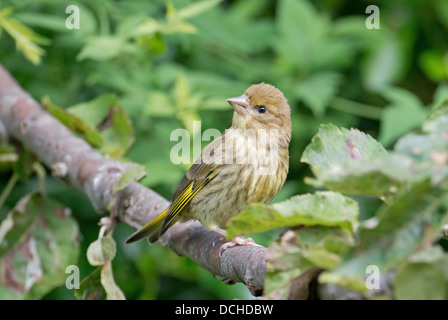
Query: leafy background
[[137, 70]]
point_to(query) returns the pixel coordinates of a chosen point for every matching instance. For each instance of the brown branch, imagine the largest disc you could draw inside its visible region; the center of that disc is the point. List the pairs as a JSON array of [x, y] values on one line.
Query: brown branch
[[74, 161]]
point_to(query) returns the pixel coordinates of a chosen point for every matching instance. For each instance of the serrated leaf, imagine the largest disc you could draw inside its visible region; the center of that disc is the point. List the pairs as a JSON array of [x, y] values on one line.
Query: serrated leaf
[[322, 208], [378, 177], [351, 162], [334, 146], [38, 242]]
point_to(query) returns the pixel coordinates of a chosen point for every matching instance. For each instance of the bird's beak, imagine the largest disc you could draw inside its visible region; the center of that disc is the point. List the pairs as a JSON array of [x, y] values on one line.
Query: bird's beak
[[240, 104]]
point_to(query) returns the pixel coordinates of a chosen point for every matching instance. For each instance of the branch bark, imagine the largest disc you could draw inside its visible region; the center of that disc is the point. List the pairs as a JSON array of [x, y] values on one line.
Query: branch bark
[[74, 161]]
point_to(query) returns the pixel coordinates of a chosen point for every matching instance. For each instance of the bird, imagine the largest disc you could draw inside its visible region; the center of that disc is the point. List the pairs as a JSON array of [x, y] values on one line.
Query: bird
[[247, 164]]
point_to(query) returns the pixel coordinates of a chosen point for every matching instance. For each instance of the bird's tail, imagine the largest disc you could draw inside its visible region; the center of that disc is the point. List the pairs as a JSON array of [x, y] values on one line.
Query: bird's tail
[[151, 230]]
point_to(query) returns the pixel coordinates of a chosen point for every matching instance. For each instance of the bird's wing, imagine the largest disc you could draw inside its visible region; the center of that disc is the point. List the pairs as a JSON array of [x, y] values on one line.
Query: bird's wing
[[194, 180], [200, 173]]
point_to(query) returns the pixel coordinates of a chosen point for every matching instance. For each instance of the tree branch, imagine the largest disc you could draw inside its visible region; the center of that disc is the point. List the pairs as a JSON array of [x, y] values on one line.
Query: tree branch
[[74, 161]]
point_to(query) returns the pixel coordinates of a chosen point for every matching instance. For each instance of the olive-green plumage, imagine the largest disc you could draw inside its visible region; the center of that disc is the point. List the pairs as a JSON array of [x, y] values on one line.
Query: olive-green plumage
[[246, 164]]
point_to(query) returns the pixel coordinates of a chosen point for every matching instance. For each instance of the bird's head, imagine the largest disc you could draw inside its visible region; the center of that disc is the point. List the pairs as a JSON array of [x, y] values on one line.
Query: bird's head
[[262, 106]]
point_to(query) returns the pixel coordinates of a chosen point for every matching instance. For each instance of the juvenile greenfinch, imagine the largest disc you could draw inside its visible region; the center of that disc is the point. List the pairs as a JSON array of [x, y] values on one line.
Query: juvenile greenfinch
[[248, 163]]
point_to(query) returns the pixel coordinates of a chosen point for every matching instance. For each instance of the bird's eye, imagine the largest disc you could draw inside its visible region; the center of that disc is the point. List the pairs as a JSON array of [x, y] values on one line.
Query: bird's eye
[[261, 109]]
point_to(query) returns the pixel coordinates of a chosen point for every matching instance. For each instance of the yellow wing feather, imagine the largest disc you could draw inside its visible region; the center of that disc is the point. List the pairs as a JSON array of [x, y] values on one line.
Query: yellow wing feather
[[154, 229], [151, 229]]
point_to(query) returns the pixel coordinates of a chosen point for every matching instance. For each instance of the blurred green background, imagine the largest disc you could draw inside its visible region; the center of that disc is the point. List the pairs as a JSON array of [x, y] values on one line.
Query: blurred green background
[[169, 63]]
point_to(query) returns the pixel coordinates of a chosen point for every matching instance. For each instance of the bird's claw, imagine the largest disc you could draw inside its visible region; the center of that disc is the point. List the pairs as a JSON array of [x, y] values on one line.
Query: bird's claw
[[237, 241]]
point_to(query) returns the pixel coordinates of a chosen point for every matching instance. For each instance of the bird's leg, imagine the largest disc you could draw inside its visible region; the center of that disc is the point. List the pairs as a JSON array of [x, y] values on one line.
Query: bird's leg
[[237, 241]]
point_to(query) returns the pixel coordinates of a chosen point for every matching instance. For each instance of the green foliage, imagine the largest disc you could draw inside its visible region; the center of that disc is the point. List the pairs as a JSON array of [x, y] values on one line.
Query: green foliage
[[409, 223], [100, 284], [26, 40], [136, 70], [134, 173], [322, 208]]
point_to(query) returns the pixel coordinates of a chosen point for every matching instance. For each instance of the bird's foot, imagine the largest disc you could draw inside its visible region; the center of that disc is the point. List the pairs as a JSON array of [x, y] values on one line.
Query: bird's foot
[[237, 241]]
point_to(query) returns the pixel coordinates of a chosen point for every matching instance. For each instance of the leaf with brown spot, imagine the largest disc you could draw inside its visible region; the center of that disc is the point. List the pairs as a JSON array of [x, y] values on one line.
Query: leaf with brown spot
[[36, 246]]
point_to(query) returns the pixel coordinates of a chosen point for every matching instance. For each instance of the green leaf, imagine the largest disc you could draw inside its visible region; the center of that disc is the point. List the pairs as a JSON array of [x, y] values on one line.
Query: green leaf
[[26, 39], [91, 288], [95, 111], [119, 137], [333, 146], [421, 147], [23, 167], [101, 284], [429, 254], [411, 223], [406, 112], [105, 113], [102, 48], [352, 162], [38, 241], [113, 292], [74, 123], [420, 281], [134, 173], [318, 89], [101, 250], [42, 20], [300, 254], [433, 64], [321, 208], [196, 9], [155, 43], [159, 104], [384, 62], [437, 121], [301, 30], [277, 283], [148, 27], [378, 177]]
